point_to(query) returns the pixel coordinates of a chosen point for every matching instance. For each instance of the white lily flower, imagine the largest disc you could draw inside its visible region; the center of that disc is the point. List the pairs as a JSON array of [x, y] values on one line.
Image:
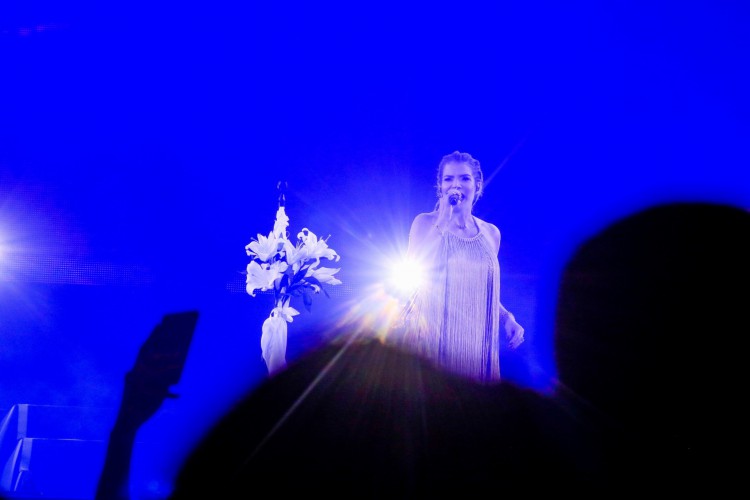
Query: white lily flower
[[263, 277], [295, 255], [278, 267], [317, 248], [285, 311], [289, 270], [281, 223], [264, 248], [324, 275]]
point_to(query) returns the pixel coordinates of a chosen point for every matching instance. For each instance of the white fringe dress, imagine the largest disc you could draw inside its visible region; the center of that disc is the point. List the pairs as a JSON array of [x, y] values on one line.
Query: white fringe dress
[[455, 316]]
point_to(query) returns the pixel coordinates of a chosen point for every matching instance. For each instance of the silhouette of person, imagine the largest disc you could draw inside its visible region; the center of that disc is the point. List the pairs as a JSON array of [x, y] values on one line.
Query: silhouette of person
[[365, 419], [649, 397], [650, 315]]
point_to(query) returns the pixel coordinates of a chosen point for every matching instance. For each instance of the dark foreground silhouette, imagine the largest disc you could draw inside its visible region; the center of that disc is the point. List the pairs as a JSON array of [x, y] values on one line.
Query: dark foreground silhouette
[[651, 316], [157, 367], [366, 420], [650, 397]]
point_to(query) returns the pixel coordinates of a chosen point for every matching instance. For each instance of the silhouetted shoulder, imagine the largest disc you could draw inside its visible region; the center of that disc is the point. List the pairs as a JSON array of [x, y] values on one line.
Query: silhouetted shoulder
[[648, 315], [365, 416]]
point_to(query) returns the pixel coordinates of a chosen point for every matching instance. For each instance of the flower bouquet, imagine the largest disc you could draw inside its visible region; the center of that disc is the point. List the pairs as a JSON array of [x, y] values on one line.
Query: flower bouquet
[[289, 270]]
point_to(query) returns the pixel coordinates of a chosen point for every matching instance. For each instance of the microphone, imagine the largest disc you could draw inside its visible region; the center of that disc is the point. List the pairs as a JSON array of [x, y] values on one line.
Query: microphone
[[454, 198]]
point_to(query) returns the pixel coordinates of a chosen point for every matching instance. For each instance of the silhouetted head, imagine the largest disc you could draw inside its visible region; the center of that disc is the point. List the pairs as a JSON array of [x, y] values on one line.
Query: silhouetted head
[[365, 420], [651, 316]]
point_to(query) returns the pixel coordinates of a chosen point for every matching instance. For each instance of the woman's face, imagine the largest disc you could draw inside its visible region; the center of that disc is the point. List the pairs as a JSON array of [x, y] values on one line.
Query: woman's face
[[457, 177]]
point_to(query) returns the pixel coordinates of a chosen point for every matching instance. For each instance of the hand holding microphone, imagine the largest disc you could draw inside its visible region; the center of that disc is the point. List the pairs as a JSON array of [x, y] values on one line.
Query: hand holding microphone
[[454, 198]]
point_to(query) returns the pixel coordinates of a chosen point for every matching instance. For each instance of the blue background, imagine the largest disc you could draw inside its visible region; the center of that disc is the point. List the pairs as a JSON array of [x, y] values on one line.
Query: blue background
[[141, 146]]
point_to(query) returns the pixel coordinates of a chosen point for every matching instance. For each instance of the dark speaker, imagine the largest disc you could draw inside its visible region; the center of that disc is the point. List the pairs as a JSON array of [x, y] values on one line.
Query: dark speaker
[[54, 468], [50, 451], [57, 422]]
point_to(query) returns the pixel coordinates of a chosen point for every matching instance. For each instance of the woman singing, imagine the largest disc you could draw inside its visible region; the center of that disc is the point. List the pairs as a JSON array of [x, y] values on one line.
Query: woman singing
[[456, 316]]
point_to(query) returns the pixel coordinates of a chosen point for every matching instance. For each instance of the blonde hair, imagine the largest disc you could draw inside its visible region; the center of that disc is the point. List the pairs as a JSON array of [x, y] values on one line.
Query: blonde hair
[[473, 163]]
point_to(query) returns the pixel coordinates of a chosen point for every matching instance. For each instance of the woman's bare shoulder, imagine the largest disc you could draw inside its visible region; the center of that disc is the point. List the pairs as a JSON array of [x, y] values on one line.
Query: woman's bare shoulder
[[421, 232], [424, 219], [490, 230], [489, 226]]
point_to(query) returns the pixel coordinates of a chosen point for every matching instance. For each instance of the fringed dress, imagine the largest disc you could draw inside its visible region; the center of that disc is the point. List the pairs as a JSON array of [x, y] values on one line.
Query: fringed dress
[[455, 316]]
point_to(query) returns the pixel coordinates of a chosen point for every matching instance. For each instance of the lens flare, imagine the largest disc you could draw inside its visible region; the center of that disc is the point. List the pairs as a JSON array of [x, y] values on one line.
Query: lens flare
[[406, 275]]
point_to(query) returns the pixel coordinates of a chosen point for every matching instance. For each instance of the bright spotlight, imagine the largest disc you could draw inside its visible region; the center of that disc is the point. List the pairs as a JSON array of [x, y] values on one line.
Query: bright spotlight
[[405, 276]]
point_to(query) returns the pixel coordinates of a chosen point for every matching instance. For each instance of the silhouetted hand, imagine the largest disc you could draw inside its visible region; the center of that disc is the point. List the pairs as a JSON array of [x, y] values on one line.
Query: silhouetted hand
[[158, 366]]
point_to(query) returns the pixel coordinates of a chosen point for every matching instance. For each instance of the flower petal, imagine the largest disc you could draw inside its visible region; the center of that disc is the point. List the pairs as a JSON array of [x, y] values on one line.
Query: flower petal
[[324, 275], [265, 248], [284, 310], [281, 223]]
